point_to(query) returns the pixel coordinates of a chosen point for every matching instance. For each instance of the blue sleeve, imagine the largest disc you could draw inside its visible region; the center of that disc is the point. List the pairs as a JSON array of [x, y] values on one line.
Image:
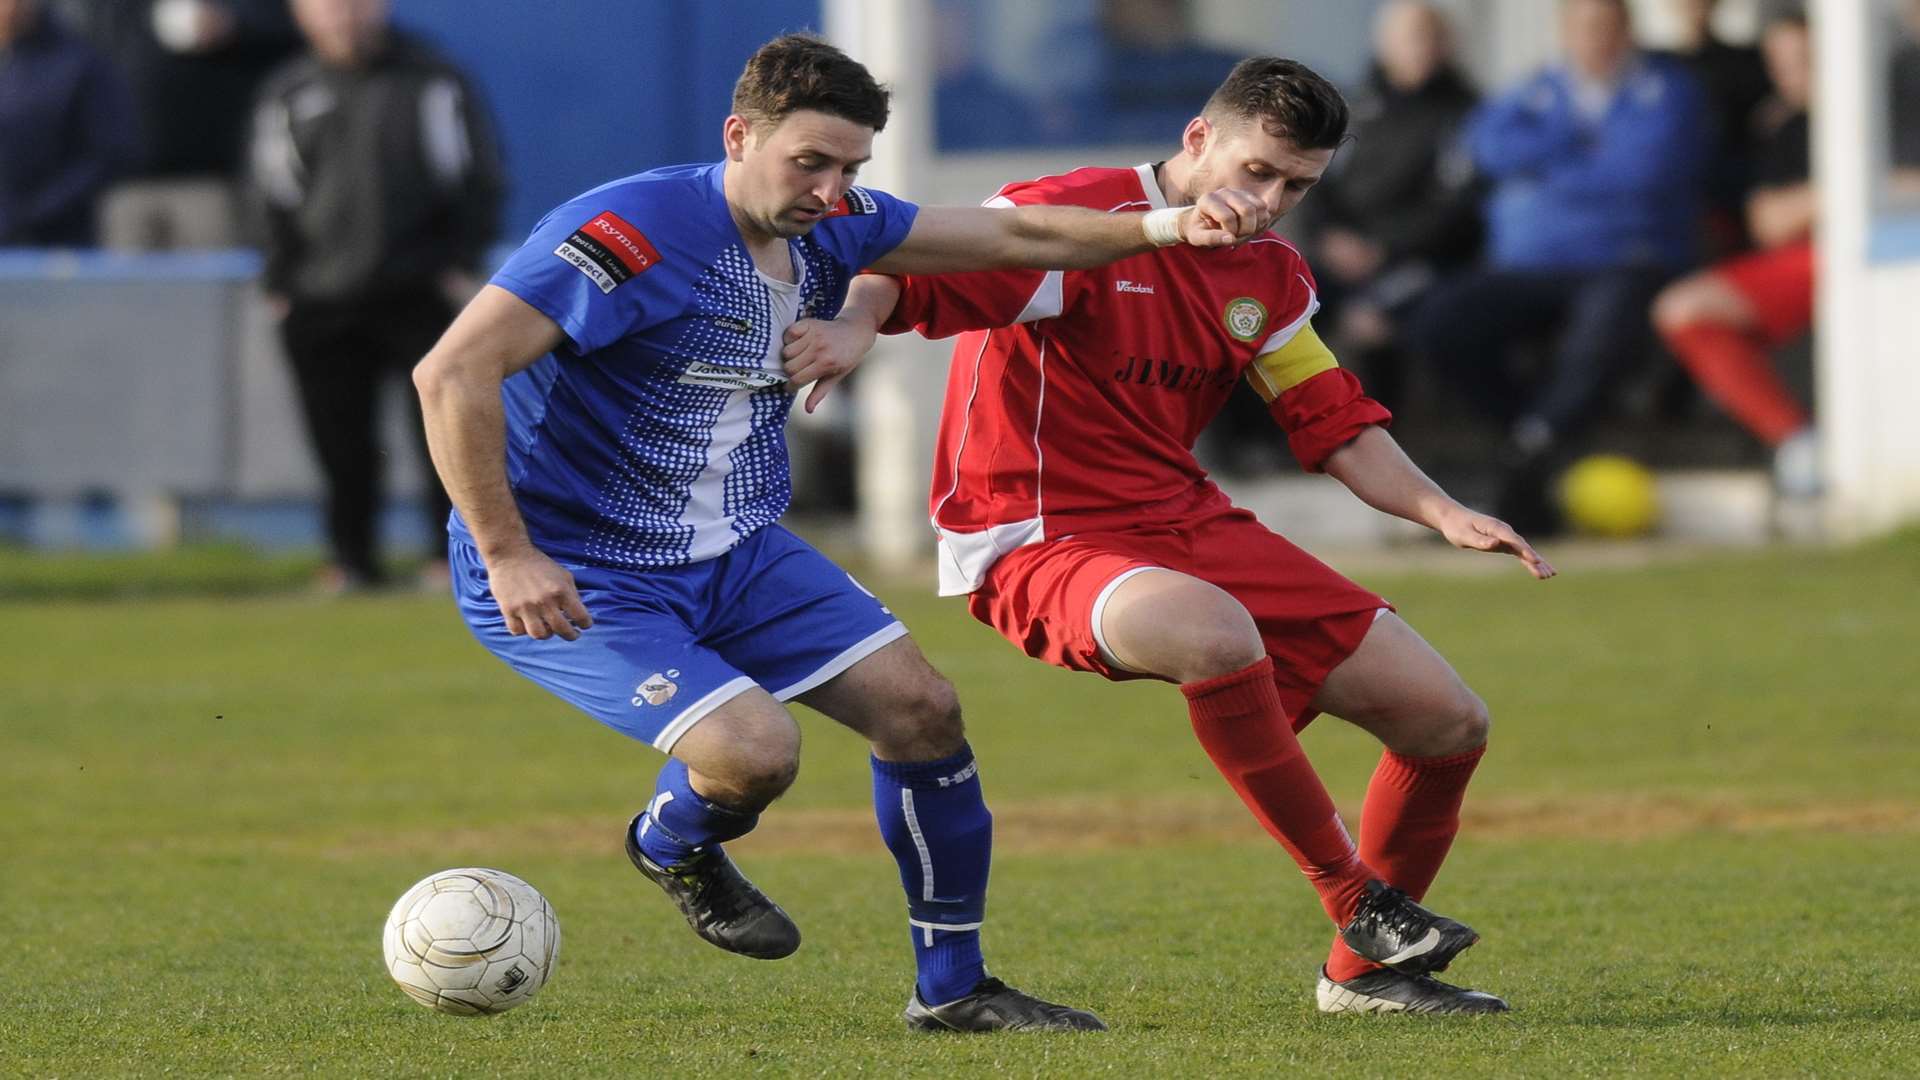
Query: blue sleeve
[[1523, 131], [592, 270], [864, 225]]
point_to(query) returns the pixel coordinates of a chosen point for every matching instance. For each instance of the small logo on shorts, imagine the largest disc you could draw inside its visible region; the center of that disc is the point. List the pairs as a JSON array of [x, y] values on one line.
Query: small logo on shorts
[[658, 689]]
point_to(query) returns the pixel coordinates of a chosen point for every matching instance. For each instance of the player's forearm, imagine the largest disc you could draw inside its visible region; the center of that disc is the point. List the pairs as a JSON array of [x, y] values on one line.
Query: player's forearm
[[956, 239], [1379, 473], [1070, 238], [467, 438], [871, 299]]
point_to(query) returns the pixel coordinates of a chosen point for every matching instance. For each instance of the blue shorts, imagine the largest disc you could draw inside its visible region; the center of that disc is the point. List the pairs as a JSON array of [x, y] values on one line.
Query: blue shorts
[[668, 646]]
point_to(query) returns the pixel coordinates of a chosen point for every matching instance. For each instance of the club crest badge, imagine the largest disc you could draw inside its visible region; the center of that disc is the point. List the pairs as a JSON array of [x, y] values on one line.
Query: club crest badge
[[658, 689], [1245, 318]]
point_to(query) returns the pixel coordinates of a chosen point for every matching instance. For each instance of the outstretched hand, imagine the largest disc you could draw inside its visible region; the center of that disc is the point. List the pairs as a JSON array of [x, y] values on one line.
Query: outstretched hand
[[1480, 532], [1224, 218], [822, 352]]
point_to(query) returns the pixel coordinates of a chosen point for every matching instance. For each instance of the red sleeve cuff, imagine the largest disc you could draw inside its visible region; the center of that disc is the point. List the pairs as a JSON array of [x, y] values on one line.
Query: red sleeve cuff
[[1325, 413]]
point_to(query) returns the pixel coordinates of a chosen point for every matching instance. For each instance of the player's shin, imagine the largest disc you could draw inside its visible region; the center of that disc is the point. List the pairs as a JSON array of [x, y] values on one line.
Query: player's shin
[[935, 821], [680, 821], [1411, 816], [1243, 726]]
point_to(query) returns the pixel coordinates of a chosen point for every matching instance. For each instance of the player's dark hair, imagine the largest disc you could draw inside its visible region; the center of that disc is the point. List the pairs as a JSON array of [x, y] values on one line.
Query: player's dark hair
[[1287, 97], [800, 71]]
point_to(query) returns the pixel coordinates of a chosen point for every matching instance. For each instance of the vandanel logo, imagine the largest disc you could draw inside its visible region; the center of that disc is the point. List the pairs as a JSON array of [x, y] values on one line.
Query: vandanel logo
[[1246, 317]]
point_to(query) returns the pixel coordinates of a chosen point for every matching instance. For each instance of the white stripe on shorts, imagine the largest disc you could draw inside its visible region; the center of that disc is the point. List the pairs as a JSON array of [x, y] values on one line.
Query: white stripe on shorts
[[1100, 610], [867, 647], [698, 711]]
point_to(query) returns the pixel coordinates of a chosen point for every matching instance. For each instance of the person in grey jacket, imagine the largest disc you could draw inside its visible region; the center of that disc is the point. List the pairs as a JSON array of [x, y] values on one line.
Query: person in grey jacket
[[376, 184]]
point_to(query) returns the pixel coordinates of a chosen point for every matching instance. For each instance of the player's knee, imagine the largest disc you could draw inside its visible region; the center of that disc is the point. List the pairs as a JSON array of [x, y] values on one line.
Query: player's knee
[[765, 775], [748, 756], [1221, 649], [1673, 310], [927, 722], [1686, 304], [1468, 723]]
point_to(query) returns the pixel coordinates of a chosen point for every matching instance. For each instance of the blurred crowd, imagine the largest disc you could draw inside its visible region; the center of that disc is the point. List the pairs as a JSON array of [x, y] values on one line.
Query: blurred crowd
[[1623, 217], [1519, 255], [360, 162]]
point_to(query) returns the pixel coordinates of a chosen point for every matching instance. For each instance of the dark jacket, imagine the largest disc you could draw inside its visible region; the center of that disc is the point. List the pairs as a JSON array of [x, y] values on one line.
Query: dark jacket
[[66, 128], [192, 107], [1403, 182], [372, 180], [1733, 80], [1903, 78]]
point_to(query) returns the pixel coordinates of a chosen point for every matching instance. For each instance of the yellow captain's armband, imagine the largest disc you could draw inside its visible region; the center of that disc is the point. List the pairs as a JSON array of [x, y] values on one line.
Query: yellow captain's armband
[[1301, 358]]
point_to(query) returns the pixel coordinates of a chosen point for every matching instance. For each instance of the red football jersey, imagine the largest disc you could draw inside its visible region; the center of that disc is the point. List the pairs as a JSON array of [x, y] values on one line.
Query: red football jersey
[[1075, 397]]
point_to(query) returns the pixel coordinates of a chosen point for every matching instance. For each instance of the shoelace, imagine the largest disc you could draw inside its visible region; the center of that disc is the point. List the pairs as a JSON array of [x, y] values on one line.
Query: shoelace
[[704, 874], [1388, 909]]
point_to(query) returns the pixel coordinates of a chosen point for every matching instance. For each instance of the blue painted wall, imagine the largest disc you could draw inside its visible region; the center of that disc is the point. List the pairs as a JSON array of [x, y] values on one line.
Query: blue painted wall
[[590, 90]]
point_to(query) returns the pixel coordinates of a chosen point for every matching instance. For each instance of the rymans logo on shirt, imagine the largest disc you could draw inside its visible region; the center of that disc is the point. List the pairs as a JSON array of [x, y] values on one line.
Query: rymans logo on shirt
[[609, 250], [855, 202]]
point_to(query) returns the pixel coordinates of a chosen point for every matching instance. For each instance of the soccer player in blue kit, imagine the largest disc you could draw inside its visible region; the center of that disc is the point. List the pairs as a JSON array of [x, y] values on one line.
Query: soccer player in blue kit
[[608, 416]]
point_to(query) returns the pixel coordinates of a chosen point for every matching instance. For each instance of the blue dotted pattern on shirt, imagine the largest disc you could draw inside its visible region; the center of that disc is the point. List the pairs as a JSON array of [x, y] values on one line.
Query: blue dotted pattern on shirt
[[760, 487], [669, 432]]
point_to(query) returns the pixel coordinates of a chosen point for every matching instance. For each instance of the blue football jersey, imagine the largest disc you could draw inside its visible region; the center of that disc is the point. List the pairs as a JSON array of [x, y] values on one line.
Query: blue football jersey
[[655, 436]]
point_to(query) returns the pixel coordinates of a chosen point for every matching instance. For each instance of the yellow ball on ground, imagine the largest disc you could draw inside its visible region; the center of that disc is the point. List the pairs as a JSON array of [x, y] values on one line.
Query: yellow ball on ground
[[1610, 495]]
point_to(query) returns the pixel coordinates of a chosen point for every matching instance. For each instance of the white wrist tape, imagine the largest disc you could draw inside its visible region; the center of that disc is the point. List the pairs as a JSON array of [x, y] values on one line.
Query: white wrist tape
[[1163, 226]]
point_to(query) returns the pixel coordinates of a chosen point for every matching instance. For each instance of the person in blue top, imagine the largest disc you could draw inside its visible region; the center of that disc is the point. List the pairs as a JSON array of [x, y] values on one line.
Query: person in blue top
[[1595, 167], [607, 415]]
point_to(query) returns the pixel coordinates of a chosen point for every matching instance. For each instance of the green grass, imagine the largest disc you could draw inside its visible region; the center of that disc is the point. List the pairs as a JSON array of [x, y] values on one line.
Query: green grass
[[1691, 850]]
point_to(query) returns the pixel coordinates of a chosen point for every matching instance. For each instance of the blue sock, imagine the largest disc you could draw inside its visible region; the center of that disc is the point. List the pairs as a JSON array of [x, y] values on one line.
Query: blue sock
[[936, 823], [679, 822]]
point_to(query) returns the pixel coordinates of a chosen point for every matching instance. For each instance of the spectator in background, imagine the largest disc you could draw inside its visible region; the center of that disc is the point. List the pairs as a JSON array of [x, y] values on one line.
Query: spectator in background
[[378, 184], [193, 67], [1721, 322], [1155, 68], [1903, 99], [1734, 80], [972, 108], [1398, 209], [1596, 165], [65, 129]]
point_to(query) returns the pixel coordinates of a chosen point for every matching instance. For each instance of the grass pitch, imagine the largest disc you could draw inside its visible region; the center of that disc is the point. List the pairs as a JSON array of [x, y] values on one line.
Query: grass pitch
[[1691, 850]]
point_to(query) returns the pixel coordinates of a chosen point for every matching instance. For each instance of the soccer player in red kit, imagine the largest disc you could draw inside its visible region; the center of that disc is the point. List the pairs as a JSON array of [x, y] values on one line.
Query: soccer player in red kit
[[1071, 510]]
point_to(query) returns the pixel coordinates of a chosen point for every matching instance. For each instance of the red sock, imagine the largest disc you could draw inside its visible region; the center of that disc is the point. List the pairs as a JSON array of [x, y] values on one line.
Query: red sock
[[1409, 821], [1733, 368], [1244, 728]]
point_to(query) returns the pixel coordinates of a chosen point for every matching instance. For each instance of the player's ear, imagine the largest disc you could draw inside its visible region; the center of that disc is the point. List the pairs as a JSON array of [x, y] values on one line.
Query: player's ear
[[733, 134], [1194, 139]]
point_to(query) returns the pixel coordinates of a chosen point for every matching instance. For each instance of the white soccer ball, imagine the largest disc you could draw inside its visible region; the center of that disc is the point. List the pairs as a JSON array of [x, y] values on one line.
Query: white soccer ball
[[472, 941]]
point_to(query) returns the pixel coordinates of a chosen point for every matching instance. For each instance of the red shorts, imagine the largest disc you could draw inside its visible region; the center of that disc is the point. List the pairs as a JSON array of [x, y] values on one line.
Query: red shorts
[[1046, 597], [1778, 283]]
